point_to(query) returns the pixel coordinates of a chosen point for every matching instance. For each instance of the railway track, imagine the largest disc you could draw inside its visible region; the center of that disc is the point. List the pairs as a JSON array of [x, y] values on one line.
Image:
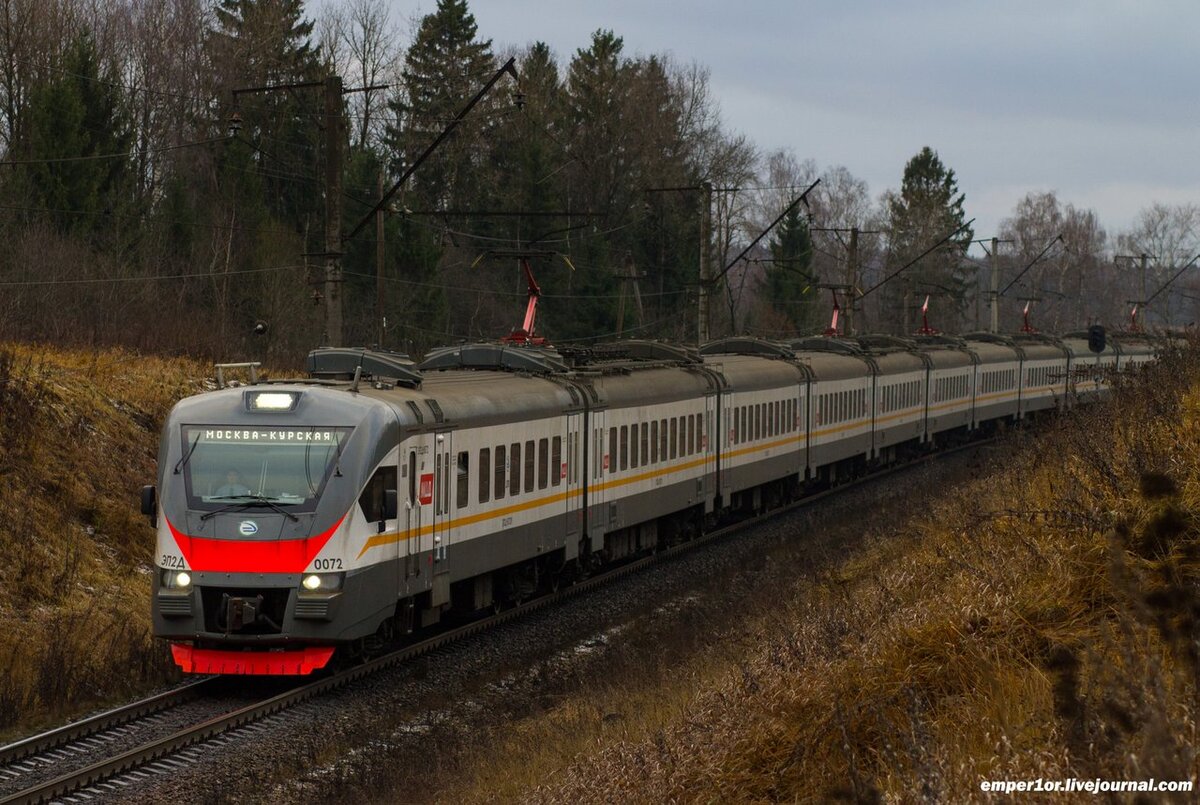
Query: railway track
[[107, 777]]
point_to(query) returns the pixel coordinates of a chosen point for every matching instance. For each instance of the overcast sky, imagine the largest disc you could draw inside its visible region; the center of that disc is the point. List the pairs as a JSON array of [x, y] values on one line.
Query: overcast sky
[[1096, 100]]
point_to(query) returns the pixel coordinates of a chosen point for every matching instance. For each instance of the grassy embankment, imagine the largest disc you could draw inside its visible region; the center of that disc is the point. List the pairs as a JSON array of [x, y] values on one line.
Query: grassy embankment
[[1042, 622], [78, 439]]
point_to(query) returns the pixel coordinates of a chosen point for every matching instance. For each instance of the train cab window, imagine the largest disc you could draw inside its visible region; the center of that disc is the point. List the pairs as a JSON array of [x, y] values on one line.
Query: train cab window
[[654, 442], [485, 473], [499, 479], [462, 477], [530, 460], [514, 469], [371, 499], [624, 447], [544, 463], [556, 467], [412, 477]]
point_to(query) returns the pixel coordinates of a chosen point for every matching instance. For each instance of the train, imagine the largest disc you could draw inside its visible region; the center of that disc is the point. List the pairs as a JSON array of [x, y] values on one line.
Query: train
[[378, 496]]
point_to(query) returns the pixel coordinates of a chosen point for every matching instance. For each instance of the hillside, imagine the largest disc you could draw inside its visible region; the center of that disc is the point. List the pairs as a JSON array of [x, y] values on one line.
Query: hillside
[[1043, 622], [78, 439]]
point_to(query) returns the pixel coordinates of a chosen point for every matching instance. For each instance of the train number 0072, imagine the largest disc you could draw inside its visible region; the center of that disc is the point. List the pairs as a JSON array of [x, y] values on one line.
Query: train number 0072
[[327, 564]]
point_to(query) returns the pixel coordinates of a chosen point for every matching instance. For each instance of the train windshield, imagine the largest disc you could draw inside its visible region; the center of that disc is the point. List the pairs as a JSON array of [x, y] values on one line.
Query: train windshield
[[270, 467]]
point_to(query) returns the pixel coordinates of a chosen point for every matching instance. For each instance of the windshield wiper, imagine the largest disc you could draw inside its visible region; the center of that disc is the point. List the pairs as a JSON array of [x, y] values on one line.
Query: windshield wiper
[[250, 500], [184, 460]]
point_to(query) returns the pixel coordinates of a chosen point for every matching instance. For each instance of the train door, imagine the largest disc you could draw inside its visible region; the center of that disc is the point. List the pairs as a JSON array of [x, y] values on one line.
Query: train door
[[708, 444], [444, 475], [574, 478], [418, 494], [598, 470]]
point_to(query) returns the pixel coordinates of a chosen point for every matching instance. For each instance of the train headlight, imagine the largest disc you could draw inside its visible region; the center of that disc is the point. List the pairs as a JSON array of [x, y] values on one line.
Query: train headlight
[[176, 579], [272, 400], [322, 582]]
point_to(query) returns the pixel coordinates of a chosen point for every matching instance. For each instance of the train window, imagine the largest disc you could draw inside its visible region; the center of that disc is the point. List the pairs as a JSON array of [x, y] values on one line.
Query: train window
[[543, 460], [692, 434], [645, 451], [499, 472], [371, 499], [514, 469], [412, 477], [462, 477], [674, 436], [485, 473], [624, 447], [633, 446], [556, 468], [612, 449], [662, 439], [758, 421], [531, 458], [654, 442]]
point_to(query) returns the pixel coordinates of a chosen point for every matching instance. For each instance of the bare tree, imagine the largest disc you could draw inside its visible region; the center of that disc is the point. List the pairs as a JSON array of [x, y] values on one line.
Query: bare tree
[[1072, 284], [1170, 236], [360, 42]]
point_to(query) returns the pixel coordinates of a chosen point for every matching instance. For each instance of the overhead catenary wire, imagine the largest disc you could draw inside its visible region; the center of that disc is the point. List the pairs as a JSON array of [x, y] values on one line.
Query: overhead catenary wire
[[146, 277], [916, 259], [129, 154]]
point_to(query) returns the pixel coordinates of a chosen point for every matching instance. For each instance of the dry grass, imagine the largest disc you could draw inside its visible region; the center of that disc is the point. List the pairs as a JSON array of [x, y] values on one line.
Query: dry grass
[[78, 439], [1041, 622]]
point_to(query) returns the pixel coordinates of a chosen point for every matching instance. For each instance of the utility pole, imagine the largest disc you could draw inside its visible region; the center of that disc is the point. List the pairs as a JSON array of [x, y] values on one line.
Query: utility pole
[[702, 299], [994, 295], [628, 275], [380, 306], [852, 266], [333, 211], [851, 278]]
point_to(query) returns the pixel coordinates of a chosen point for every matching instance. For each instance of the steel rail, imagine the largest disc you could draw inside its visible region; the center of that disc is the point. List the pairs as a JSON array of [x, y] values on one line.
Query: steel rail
[[84, 728], [156, 750]]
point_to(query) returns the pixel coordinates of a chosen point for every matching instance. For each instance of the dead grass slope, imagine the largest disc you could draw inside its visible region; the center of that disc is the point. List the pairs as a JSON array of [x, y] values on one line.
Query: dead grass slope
[[1043, 622], [78, 438]]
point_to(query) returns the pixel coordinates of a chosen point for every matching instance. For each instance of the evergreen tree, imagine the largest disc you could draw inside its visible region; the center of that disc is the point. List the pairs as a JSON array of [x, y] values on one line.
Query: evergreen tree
[[260, 43], [928, 208], [75, 121], [788, 281], [445, 67]]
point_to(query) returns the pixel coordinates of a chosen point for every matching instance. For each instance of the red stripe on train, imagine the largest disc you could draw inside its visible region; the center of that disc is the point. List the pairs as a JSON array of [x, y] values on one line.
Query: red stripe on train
[[250, 556]]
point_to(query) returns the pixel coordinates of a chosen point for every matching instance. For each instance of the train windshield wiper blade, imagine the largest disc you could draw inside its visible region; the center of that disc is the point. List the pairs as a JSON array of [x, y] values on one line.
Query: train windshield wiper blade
[[251, 500]]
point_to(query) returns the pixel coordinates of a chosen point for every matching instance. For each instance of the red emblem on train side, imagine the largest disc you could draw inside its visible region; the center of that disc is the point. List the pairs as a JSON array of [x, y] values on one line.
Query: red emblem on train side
[[426, 492]]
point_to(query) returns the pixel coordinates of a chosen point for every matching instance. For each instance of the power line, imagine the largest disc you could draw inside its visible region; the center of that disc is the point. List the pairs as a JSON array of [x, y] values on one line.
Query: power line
[[118, 155], [149, 278]]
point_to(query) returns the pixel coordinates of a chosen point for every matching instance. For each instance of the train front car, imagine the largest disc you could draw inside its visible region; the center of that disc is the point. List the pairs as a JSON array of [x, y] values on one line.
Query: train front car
[[262, 490]]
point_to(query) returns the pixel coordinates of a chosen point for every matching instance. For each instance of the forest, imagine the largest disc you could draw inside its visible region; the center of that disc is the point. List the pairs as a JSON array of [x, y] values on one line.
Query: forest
[[169, 168]]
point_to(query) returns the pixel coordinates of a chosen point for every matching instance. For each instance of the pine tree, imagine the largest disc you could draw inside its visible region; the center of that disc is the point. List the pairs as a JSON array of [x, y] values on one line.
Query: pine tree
[[445, 67], [260, 43], [928, 208], [788, 282], [78, 113]]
